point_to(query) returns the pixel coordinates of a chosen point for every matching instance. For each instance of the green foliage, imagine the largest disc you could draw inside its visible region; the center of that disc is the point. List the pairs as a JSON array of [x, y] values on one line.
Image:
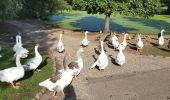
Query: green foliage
[[166, 3], [144, 8], [9, 8], [42, 9]]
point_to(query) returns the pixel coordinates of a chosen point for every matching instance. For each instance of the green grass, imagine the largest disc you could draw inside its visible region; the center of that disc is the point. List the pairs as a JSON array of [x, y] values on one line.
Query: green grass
[[29, 84], [83, 21]]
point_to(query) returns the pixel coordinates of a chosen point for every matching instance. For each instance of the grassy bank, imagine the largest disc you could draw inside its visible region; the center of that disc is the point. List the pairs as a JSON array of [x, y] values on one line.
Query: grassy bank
[[29, 84], [83, 21]]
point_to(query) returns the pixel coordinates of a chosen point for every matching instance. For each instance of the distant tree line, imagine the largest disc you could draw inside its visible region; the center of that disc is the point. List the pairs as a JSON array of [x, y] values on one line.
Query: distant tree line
[[166, 3], [37, 9]]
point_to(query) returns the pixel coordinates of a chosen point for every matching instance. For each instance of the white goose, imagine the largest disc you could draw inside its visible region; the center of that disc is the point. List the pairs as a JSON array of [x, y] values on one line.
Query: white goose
[[18, 47], [78, 64], [124, 43], [161, 38], [60, 45], [139, 44], [33, 63], [85, 41], [12, 74], [115, 41], [120, 58], [64, 80], [102, 61]]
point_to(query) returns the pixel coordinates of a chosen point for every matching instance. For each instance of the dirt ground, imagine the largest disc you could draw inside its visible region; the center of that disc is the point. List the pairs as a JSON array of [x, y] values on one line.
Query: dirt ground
[[82, 88]]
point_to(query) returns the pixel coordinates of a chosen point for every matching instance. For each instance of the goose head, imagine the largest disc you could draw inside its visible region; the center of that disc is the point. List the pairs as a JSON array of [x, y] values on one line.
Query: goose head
[[37, 45], [162, 30], [86, 32]]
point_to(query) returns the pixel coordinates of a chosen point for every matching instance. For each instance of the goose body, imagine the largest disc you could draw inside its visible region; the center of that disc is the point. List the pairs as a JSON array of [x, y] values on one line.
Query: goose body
[[85, 41], [124, 43], [60, 45], [33, 63], [102, 61], [64, 80], [78, 64], [12, 74], [139, 44], [115, 41], [120, 58], [161, 38]]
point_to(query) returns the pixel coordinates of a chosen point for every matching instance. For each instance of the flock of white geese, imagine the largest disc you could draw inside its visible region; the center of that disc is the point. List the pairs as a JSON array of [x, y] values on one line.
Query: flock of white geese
[[71, 70]]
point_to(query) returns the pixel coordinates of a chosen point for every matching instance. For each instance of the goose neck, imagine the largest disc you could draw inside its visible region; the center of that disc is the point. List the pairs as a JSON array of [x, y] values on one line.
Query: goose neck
[[162, 32], [20, 42], [102, 50], [37, 54], [17, 40], [124, 39], [18, 63], [60, 37], [85, 36]]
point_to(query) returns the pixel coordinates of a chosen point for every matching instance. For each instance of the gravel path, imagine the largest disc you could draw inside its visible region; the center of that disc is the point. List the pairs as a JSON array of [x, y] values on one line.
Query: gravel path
[[80, 89]]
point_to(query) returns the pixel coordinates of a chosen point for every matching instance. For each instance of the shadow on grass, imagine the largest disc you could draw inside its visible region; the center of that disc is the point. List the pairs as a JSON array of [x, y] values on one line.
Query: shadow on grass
[[44, 63], [92, 23], [151, 22]]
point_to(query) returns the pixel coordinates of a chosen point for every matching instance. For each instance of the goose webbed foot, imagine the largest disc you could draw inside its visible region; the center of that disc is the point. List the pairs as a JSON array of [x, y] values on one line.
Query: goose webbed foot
[[54, 94], [36, 70], [14, 85], [64, 93], [75, 77]]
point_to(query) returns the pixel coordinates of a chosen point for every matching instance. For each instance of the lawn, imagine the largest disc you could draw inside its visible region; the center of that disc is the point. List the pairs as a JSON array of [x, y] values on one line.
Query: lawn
[[82, 21], [29, 84]]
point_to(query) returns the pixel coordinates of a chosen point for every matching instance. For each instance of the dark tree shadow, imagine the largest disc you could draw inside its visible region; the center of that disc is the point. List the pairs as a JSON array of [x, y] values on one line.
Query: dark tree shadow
[[27, 75], [94, 57], [150, 22], [92, 23], [44, 63], [133, 44], [96, 50], [154, 44], [163, 49], [113, 60], [71, 93], [132, 47]]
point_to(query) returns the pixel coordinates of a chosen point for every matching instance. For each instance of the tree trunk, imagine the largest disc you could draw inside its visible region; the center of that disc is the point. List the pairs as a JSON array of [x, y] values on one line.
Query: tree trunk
[[107, 24]]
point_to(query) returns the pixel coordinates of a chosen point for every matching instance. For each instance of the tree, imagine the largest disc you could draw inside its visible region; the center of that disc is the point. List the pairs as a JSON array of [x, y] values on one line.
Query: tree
[[42, 9], [9, 8], [143, 8], [167, 3]]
